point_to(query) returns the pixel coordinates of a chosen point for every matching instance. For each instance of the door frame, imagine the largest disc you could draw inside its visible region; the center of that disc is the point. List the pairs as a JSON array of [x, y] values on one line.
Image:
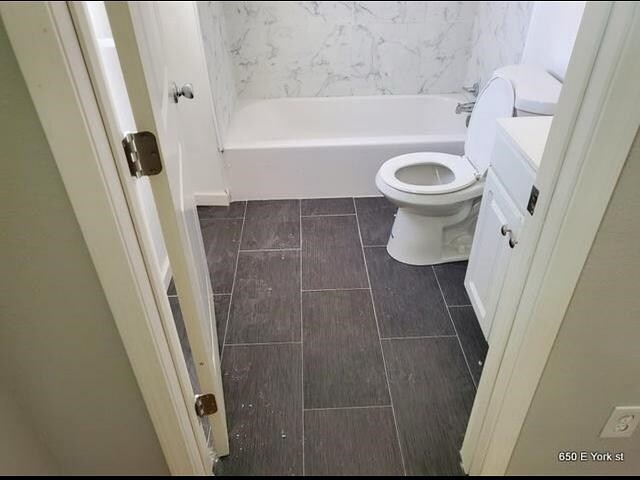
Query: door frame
[[593, 122], [596, 119], [46, 46], [82, 23]]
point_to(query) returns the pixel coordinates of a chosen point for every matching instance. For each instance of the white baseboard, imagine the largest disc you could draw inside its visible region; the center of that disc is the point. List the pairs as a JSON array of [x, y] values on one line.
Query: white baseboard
[[212, 199]]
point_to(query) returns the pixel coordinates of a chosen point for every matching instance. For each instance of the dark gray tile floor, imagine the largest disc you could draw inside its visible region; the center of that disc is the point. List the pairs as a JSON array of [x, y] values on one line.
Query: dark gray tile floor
[[266, 298], [337, 360], [343, 365], [221, 239], [332, 253]]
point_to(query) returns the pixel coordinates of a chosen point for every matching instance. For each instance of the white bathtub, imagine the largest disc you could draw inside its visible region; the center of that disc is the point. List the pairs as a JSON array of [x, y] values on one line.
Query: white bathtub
[[332, 147]]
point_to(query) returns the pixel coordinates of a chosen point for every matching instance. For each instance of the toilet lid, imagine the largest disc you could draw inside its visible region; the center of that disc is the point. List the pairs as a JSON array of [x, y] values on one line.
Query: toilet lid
[[428, 173], [495, 101]]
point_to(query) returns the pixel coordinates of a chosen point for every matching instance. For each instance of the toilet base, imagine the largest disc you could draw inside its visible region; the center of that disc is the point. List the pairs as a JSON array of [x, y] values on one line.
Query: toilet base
[[424, 240]]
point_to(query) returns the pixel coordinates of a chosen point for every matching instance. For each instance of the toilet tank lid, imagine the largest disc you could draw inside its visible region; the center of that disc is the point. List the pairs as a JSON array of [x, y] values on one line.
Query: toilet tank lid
[[536, 90]]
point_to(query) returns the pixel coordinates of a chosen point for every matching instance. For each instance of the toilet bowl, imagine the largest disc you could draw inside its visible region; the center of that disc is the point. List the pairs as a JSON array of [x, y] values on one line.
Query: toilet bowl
[[438, 195]]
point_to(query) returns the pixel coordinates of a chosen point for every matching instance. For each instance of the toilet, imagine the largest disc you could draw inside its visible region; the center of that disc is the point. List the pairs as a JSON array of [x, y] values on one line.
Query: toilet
[[438, 194]]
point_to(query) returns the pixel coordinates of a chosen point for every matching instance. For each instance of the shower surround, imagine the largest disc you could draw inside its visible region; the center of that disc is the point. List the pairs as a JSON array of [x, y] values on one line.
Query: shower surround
[[498, 38], [267, 50], [309, 49]]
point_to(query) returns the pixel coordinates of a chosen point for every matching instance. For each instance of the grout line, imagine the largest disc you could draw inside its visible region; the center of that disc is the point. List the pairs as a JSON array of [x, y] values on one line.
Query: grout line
[[375, 316], [320, 409], [333, 289], [229, 293], [460, 306], [258, 250], [374, 246], [261, 344], [419, 337], [464, 355], [301, 340], [329, 215], [233, 284]]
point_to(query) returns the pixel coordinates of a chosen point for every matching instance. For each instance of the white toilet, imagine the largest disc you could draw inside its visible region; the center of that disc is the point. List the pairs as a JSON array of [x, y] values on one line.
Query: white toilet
[[438, 195]]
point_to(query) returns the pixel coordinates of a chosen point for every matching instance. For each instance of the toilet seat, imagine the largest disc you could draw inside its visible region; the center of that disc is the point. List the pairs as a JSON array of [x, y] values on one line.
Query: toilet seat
[[463, 171]]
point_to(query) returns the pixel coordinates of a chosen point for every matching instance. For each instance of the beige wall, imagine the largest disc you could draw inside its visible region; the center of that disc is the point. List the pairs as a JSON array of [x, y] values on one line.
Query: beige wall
[[595, 361], [22, 451], [71, 403]]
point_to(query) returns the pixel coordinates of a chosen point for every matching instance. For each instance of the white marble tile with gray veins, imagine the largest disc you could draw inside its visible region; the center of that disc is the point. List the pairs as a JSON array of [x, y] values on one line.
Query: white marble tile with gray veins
[[348, 48]]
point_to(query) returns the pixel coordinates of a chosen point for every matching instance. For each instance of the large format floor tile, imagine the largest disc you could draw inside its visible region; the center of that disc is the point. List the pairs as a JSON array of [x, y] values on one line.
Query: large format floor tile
[[221, 306], [471, 337], [221, 241], [451, 278], [266, 298], [318, 351], [432, 396], [171, 289], [234, 210], [263, 389], [407, 298], [343, 364], [184, 342], [354, 441], [331, 253], [376, 216], [327, 206], [271, 224]]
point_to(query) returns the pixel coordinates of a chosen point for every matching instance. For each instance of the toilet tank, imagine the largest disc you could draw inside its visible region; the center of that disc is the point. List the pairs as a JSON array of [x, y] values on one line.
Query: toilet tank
[[536, 91]]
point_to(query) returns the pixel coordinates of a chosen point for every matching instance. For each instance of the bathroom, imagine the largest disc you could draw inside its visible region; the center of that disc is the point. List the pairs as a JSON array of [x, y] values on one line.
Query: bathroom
[[355, 250]]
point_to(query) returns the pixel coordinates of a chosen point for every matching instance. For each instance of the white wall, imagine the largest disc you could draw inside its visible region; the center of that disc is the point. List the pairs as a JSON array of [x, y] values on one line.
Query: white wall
[[595, 362], [203, 170], [218, 58], [499, 34], [552, 33], [505, 33], [61, 356], [283, 49]]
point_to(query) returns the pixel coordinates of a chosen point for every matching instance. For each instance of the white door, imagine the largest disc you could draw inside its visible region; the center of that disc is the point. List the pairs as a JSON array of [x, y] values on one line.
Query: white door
[[149, 65], [485, 273]]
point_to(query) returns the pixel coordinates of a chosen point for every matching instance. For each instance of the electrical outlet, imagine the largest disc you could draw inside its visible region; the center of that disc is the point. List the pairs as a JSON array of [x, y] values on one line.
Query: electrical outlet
[[622, 422]]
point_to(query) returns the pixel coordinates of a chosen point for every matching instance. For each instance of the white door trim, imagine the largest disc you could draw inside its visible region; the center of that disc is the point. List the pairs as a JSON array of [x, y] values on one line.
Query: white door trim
[[593, 129], [88, 42], [47, 50]]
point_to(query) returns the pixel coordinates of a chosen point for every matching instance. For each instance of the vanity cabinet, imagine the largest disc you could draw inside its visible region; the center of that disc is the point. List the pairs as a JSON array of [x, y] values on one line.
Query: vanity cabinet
[[514, 162], [496, 235]]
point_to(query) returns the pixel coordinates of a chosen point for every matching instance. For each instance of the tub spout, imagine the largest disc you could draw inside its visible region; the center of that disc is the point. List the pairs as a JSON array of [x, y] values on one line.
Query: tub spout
[[466, 107]]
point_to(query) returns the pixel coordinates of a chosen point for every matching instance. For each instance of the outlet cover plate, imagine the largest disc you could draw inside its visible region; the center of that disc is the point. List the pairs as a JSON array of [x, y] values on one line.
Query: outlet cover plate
[[622, 422]]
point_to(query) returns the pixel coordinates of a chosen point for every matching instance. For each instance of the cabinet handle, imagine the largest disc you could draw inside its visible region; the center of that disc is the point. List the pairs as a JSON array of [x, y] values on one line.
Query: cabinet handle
[[505, 230]]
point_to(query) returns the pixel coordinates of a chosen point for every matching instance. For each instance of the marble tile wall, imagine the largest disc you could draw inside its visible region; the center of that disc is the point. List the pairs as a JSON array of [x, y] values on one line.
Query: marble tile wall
[[220, 68], [498, 38], [284, 49]]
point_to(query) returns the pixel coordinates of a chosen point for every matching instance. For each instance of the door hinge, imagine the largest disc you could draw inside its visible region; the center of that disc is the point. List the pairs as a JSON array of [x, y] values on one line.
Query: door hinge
[[142, 154], [206, 404], [533, 200]]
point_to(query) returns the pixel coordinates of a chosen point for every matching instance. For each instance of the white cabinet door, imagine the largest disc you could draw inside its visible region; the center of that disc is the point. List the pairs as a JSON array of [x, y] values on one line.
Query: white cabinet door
[[491, 251]]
